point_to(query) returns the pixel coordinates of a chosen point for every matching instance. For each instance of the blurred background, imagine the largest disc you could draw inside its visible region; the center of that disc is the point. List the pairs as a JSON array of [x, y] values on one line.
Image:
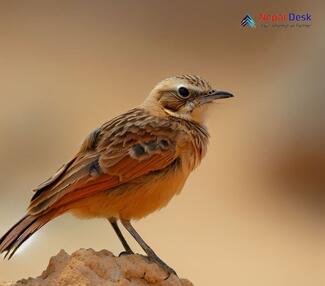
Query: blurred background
[[253, 213]]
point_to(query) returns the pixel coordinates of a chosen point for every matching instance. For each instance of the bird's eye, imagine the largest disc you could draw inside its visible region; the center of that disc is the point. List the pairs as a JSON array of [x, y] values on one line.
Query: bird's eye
[[183, 92]]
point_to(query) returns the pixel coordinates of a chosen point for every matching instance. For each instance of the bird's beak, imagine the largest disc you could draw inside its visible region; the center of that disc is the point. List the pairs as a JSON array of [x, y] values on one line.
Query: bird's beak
[[213, 95]]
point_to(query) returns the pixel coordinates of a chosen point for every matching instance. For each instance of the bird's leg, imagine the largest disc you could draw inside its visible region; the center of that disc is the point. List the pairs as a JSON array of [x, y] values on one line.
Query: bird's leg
[[151, 254], [128, 250]]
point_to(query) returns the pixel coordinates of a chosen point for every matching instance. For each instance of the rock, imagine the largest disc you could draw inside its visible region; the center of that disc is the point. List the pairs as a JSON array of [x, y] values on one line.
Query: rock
[[87, 267]]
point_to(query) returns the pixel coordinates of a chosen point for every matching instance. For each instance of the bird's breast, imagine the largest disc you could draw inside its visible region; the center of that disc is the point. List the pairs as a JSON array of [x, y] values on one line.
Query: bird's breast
[[191, 151]]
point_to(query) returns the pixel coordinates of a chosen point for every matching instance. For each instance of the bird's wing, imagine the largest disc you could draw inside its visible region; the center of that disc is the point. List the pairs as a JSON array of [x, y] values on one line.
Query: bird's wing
[[114, 160]]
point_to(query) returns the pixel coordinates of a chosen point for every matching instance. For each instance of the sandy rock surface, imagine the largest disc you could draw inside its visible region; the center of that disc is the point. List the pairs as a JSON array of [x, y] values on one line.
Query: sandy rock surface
[[87, 267]]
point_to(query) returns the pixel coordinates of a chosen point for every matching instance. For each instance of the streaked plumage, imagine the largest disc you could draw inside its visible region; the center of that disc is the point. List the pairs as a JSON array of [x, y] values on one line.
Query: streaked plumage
[[130, 166]]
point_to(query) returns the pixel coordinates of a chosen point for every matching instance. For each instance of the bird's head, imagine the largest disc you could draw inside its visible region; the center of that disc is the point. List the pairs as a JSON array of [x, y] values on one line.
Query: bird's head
[[185, 96]]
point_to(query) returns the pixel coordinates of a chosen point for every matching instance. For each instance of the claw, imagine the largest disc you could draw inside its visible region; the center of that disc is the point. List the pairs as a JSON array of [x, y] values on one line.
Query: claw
[[126, 253], [162, 265]]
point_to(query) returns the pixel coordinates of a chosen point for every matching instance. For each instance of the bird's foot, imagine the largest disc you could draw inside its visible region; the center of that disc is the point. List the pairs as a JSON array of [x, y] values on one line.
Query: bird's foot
[[163, 265], [128, 252]]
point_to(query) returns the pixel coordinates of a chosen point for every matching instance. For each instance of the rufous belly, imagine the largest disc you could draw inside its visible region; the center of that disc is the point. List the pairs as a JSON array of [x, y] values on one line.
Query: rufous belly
[[133, 200]]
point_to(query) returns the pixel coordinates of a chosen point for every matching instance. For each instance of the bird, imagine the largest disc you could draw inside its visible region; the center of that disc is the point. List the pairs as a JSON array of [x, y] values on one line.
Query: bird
[[129, 167]]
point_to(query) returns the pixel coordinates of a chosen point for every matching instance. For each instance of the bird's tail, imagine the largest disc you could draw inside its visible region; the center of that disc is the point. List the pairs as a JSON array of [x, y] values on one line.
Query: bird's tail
[[23, 229]]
